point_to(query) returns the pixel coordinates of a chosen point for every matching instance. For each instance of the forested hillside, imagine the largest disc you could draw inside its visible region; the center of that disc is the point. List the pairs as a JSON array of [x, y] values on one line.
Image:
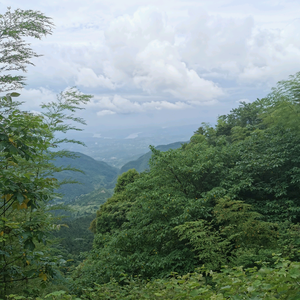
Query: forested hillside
[[228, 197], [95, 174]]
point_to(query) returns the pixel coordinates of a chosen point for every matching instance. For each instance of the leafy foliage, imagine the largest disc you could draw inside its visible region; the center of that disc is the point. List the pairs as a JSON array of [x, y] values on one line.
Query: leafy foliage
[[15, 53], [74, 238], [26, 186], [234, 231], [279, 282], [230, 196]]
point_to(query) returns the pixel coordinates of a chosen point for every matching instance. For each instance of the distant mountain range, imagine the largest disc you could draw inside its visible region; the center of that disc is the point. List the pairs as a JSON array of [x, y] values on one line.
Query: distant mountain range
[[119, 146], [98, 179]]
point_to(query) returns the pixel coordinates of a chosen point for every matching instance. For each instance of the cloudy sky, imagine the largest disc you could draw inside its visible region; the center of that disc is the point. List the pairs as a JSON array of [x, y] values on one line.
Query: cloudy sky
[[162, 62]]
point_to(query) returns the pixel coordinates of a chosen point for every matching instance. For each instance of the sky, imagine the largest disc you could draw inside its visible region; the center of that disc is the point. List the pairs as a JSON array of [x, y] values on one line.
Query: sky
[[161, 62]]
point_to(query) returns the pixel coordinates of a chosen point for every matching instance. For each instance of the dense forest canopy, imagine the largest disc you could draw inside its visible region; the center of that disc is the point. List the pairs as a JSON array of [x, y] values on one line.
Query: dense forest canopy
[[217, 218], [222, 198]]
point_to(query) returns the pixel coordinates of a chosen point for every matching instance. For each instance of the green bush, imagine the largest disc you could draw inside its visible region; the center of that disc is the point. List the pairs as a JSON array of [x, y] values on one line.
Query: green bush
[[280, 282]]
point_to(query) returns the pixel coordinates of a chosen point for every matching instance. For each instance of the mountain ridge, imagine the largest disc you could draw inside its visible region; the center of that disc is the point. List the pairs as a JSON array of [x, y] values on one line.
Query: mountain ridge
[[142, 163]]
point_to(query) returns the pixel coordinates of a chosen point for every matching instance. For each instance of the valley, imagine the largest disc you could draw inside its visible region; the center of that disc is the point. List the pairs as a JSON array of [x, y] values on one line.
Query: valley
[[81, 200], [120, 146]]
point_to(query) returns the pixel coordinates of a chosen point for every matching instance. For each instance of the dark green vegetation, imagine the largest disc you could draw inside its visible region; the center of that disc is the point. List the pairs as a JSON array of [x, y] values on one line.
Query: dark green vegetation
[[228, 197], [217, 218], [75, 237]]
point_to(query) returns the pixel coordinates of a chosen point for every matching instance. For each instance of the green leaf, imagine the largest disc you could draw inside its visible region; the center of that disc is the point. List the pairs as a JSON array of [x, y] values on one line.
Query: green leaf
[[294, 273], [20, 197], [29, 245], [30, 273], [14, 94], [56, 293]]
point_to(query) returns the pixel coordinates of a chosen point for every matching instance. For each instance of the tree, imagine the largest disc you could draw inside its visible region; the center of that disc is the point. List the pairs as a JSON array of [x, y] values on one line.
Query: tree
[[22, 195], [284, 104], [112, 214], [14, 56], [125, 179], [27, 143], [15, 53], [27, 185]]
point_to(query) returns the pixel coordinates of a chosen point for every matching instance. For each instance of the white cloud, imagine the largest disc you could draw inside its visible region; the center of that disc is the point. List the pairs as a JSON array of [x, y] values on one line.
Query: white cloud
[[158, 105], [37, 113], [183, 58], [177, 55], [86, 77], [143, 53], [120, 105], [239, 50], [160, 69], [272, 55], [117, 104], [105, 112], [33, 98]]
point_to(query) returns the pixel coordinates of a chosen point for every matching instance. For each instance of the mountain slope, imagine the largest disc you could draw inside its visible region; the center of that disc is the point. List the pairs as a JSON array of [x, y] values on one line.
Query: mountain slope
[[96, 174], [89, 203], [141, 164]]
